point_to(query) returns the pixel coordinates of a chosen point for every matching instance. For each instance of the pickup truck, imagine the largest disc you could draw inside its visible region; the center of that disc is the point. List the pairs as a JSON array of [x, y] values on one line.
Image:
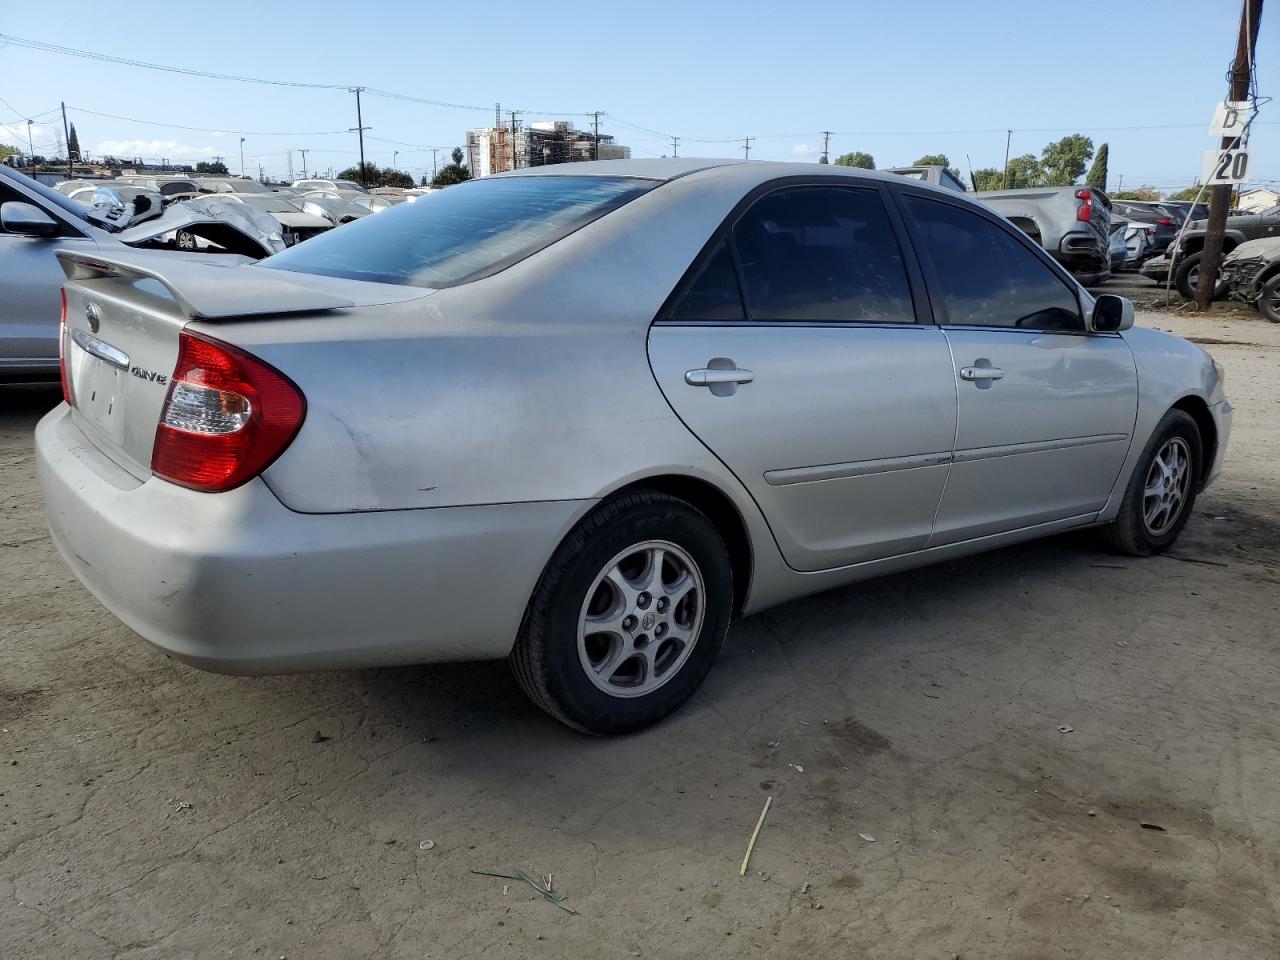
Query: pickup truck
[[938, 176], [1240, 228], [1072, 223]]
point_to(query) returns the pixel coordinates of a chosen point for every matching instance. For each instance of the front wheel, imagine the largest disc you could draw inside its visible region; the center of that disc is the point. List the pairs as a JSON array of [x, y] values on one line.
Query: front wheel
[[628, 616], [1188, 278], [1161, 491], [1269, 302]]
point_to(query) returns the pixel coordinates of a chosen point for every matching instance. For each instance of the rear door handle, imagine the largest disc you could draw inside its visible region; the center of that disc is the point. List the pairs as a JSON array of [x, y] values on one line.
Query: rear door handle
[[981, 373], [707, 376]]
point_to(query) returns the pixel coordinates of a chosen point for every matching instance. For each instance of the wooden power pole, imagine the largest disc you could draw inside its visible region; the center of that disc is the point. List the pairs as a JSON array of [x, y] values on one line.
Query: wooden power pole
[[1220, 199]]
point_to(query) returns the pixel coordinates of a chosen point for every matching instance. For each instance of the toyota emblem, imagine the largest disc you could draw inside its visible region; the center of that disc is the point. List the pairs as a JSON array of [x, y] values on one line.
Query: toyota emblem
[[94, 316]]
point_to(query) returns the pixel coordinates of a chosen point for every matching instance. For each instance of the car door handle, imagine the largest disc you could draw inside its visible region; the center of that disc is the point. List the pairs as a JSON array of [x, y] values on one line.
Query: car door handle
[[707, 376], [981, 373]]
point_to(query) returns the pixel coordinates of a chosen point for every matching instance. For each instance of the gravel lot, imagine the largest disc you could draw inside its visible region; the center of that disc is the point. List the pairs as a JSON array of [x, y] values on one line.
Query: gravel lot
[[149, 810]]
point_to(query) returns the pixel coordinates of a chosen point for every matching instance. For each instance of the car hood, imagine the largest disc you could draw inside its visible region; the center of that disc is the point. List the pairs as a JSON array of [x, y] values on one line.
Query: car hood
[[1267, 248], [212, 219]]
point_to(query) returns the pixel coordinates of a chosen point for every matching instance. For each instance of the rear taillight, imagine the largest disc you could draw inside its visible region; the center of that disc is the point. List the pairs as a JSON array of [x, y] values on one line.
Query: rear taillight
[[227, 417], [1165, 221], [63, 337], [1084, 212]]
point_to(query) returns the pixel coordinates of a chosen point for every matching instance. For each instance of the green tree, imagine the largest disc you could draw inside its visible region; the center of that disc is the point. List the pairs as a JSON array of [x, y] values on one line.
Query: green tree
[[7, 150], [212, 167], [1063, 161], [451, 173], [988, 178], [823, 159], [1190, 193], [1097, 177], [1024, 171], [938, 160], [396, 178], [1138, 193], [73, 144], [376, 176], [856, 159]]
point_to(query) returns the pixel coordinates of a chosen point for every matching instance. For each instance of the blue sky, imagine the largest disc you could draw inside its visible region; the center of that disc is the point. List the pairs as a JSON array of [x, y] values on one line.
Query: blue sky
[[895, 79]]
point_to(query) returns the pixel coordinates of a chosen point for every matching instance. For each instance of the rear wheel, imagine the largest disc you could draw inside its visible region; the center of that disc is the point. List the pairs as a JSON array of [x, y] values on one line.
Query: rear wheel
[[1188, 277], [1269, 302], [1161, 491], [628, 616]]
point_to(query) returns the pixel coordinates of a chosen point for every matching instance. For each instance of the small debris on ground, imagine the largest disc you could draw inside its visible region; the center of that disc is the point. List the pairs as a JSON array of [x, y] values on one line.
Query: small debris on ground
[[427, 845], [1066, 728], [867, 837], [751, 844], [318, 737], [1149, 825], [796, 767], [544, 891]]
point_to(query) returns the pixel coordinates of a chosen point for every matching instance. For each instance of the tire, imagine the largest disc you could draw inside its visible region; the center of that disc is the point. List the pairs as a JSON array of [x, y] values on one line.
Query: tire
[[1135, 530], [625, 676], [1188, 275], [185, 240], [1269, 302]]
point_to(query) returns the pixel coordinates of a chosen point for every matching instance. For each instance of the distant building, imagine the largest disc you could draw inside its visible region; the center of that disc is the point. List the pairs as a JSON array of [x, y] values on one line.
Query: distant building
[[495, 149], [1256, 201]]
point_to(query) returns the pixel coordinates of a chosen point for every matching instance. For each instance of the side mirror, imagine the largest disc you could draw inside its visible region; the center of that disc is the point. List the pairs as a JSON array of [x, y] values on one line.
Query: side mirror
[[1111, 314], [27, 219]]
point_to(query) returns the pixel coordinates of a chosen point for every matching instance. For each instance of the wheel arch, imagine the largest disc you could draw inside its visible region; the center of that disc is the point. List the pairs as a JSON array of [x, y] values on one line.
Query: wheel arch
[[1028, 225], [1196, 408], [720, 510]]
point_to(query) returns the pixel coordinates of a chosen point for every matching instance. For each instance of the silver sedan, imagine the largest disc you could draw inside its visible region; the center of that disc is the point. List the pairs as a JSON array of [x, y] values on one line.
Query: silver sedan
[[580, 416]]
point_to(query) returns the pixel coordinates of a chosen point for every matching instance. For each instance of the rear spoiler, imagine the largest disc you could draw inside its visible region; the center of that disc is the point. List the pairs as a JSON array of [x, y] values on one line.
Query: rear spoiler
[[202, 290]]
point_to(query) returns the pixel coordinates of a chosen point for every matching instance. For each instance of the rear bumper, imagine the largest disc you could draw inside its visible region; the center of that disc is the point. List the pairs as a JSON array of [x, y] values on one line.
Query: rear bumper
[[238, 583]]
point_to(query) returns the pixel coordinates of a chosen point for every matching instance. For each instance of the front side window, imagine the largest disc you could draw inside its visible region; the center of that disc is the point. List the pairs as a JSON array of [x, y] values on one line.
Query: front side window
[[465, 232], [822, 253], [986, 277]]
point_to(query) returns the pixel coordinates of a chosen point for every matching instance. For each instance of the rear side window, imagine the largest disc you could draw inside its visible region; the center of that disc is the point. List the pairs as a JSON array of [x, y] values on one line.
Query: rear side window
[[465, 232], [986, 277], [821, 253], [714, 293]]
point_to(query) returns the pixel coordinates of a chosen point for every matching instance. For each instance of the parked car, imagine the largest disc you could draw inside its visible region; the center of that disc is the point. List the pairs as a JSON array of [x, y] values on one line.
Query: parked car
[[143, 204], [1116, 244], [580, 415], [1187, 209], [1164, 223], [171, 188], [1251, 274], [295, 225], [337, 210], [36, 221], [309, 185], [232, 185], [1256, 226], [377, 202], [938, 176], [1071, 223], [68, 187]]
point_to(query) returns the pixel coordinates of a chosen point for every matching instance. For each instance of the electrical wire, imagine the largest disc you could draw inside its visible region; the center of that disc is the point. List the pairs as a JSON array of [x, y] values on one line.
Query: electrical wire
[[178, 126]]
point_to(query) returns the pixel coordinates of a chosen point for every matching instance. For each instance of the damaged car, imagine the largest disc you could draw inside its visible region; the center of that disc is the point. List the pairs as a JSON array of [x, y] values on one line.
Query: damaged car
[[1251, 274], [36, 221]]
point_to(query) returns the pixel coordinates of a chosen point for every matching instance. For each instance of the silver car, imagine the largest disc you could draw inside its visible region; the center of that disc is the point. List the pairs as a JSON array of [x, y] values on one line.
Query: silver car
[[580, 416]]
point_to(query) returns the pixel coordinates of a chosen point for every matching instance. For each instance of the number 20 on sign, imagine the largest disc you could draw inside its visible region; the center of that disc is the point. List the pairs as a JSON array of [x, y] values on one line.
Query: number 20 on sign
[[1225, 166]]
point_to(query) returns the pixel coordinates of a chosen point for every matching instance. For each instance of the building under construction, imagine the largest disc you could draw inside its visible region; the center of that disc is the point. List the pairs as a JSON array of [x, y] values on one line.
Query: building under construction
[[495, 149]]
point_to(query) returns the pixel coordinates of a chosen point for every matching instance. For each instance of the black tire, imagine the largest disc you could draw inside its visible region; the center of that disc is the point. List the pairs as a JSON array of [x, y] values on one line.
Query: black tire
[[1269, 302], [1130, 532], [546, 659], [1188, 275]]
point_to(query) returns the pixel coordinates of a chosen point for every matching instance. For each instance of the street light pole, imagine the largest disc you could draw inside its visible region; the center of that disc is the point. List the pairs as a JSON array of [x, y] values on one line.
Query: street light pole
[[242, 156]]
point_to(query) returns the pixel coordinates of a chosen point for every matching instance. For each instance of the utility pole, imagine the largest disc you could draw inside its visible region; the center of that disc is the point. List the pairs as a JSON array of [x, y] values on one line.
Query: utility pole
[[1007, 140], [262, 177], [595, 150], [826, 143], [746, 147], [67, 134], [303, 151], [675, 146], [359, 128], [515, 161], [242, 156], [1220, 199], [395, 154], [1120, 183], [291, 178], [433, 162], [31, 150]]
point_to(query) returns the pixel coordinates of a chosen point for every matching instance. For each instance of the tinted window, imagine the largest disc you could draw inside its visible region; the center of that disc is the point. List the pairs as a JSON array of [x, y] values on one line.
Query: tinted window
[[714, 293], [987, 277], [465, 231], [822, 253]]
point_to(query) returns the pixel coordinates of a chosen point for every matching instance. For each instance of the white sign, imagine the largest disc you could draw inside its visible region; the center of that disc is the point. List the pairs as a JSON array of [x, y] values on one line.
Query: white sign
[[1229, 118], [1224, 167]]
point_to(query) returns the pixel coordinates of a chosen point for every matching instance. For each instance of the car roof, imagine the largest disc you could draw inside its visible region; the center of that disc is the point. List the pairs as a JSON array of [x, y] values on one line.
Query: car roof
[[671, 168]]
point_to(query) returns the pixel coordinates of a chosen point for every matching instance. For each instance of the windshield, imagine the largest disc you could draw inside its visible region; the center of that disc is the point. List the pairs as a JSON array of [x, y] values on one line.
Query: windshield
[[467, 231]]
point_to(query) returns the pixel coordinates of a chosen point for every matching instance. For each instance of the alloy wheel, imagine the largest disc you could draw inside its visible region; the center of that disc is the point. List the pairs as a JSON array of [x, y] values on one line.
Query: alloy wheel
[[1167, 487], [641, 618]]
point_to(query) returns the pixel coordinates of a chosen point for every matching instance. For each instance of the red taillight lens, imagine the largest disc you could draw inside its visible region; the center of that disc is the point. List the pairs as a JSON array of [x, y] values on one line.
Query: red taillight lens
[[63, 345], [1084, 212], [227, 417], [1165, 221]]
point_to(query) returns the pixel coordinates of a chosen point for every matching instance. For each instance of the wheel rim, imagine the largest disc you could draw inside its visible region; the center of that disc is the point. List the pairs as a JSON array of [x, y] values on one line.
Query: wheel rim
[[1272, 297], [641, 619], [1193, 277], [1168, 484], [186, 241]]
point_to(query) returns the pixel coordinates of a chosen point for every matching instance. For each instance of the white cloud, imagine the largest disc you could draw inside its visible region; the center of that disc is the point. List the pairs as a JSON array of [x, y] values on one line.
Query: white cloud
[[16, 135], [151, 150], [803, 150]]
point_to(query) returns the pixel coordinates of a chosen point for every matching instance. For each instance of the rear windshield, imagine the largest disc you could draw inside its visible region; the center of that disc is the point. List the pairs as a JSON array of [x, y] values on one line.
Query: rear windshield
[[466, 231]]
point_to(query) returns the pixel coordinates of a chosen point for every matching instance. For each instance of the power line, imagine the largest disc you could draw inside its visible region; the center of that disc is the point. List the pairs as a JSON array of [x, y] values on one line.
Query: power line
[[178, 126]]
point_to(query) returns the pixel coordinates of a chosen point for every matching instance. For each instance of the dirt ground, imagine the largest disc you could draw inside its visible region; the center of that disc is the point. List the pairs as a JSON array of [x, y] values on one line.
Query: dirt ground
[[149, 810]]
